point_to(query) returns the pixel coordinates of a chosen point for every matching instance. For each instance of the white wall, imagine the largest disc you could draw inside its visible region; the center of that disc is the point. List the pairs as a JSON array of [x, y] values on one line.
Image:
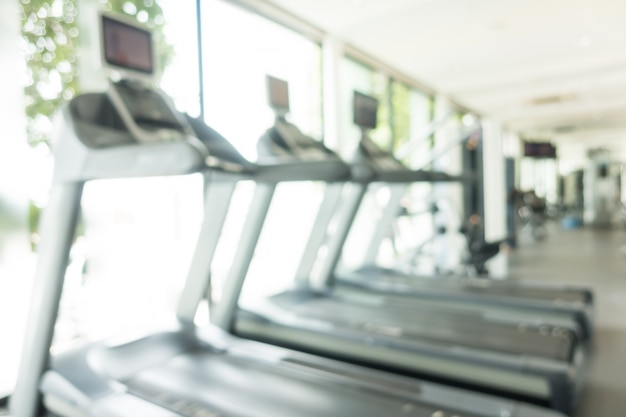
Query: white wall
[[15, 257]]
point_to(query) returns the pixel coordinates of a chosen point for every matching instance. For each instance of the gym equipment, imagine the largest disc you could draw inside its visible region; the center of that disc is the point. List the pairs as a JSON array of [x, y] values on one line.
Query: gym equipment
[[536, 362], [547, 300], [134, 131]]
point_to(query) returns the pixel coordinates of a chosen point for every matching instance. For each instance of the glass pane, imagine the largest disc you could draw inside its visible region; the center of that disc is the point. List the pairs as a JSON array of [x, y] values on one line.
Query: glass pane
[[236, 62], [382, 135], [128, 266], [416, 152], [401, 99], [180, 78], [281, 245], [358, 77]]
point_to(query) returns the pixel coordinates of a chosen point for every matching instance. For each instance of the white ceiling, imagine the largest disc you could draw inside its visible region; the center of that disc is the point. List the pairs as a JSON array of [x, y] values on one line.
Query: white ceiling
[[548, 68]]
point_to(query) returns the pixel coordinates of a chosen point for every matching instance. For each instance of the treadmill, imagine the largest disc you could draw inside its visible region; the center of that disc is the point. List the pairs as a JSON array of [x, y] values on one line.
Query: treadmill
[[556, 301], [132, 130], [539, 363], [563, 305], [558, 304]]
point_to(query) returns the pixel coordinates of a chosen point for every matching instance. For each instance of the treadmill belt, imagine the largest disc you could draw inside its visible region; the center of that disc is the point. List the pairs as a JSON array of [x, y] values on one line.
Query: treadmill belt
[[450, 329], [202, 384], [570, 296], [477, 287]]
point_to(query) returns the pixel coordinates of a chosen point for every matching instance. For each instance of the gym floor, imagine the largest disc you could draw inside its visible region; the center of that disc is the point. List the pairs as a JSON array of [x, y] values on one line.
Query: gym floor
[[594, 258]]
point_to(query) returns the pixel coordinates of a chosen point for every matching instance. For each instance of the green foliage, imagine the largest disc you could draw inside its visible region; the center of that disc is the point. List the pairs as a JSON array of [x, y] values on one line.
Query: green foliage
[[50, 43], [401, 101], [34, 217]]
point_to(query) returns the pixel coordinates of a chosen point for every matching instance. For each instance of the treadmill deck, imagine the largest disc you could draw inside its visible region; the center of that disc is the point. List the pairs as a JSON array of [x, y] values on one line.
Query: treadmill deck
[[408, 322]]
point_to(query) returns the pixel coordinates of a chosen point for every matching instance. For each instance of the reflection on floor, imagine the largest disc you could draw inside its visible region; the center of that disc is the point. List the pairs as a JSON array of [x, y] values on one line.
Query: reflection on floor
[[595, 258]]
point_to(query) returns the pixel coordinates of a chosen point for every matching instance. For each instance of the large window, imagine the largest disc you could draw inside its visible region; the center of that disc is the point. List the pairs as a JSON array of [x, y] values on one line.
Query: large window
[[403, 117], [404, 112], [414, 144], [239, 49], [359, 77]]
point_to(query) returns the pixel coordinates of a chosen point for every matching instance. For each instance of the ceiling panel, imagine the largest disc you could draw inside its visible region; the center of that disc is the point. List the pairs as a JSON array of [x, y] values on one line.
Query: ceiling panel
[[534, 65]]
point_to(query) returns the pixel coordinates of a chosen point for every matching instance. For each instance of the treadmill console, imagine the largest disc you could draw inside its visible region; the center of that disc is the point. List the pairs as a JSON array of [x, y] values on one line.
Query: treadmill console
[[128, 52], [378, 157], [298, 143], [148, 108], [277, 94], [365, 109], [127, 48], [106, 134], [284, 138]]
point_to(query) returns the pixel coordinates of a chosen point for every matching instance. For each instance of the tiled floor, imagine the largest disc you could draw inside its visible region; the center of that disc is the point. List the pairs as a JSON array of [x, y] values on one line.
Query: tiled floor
[[597, 259]]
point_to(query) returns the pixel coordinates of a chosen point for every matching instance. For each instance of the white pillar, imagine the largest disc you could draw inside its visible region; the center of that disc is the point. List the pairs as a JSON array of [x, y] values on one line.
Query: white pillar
[[495, 194], [332, 51]]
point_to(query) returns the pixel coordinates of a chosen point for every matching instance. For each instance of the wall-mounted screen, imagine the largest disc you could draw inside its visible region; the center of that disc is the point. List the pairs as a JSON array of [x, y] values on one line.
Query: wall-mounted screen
[[539, 150], [126, 46], [365, 110], [278, 93]]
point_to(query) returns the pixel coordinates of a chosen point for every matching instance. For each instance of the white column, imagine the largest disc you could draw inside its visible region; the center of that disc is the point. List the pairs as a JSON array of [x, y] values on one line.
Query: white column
[[494, 192], [332, 50]]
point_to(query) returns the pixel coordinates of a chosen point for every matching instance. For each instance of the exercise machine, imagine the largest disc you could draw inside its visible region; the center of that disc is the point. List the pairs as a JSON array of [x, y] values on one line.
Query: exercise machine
[[537, 362], [553, 301], [132, 130]]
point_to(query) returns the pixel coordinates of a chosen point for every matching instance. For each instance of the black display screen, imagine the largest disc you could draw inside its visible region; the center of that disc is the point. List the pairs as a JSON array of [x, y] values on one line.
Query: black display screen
[[126, 46], [539, 150], [278, 93], [365, 110]]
